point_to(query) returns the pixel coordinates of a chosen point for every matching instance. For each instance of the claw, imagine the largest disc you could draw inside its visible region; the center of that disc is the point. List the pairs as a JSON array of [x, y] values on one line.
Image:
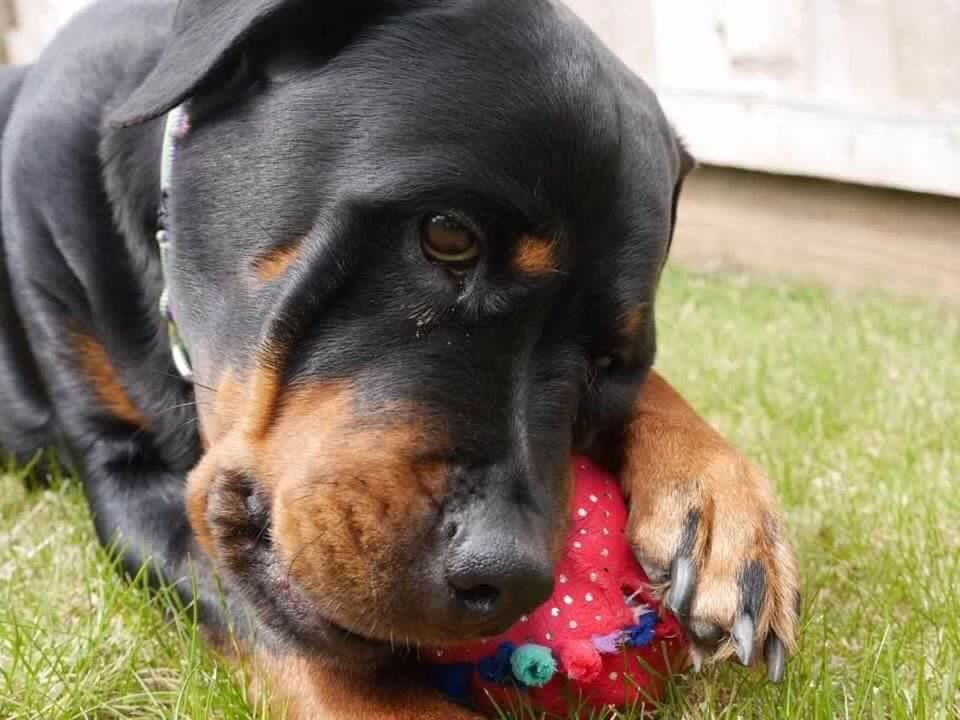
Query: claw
[[776, 655], [683, 581], [696, 658], [742, 634]]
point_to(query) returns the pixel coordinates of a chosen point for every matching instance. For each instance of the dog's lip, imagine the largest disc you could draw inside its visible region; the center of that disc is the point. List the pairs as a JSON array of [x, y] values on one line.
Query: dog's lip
[[297, 603], [285, 607]]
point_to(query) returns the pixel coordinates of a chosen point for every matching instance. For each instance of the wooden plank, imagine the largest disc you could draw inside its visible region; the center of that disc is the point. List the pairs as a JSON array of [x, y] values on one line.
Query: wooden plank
[[36, 21], [6, 22], [835, 234], [865, 92], [919, 152]]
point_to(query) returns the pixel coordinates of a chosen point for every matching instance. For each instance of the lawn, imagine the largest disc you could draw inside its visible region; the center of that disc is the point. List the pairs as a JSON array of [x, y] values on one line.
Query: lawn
[[852, 404]]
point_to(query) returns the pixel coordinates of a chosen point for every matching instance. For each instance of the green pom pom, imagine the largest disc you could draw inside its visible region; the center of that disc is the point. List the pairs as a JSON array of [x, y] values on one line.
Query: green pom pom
[[533, 665]]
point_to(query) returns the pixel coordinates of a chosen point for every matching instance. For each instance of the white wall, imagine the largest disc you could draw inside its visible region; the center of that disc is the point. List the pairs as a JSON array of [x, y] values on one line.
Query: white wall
[[866, 91], [35, 22], [860, 90]]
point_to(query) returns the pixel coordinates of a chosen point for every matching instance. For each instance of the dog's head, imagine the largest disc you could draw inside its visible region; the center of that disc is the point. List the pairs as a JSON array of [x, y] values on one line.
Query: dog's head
[[417, 244]]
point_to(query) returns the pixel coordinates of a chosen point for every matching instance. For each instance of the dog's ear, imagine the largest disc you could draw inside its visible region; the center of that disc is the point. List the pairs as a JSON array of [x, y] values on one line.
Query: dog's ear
[[688, 163], [204, 34]]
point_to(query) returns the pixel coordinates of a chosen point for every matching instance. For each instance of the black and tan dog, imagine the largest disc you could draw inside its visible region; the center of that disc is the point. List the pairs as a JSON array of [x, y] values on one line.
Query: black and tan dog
[[414, 247]]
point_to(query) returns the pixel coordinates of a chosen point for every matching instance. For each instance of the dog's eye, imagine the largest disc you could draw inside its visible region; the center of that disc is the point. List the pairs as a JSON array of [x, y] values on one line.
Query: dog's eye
[[447, 240]]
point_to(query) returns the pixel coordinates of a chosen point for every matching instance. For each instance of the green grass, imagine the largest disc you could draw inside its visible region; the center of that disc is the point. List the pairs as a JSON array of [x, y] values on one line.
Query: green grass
[[851, 402]]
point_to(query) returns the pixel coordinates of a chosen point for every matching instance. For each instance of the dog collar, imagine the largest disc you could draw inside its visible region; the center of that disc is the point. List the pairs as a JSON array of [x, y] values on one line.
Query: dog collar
[[174, 127]]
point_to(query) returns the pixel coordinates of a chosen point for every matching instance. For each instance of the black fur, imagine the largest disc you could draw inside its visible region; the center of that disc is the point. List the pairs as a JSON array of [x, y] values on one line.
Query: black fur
[[344, 123]]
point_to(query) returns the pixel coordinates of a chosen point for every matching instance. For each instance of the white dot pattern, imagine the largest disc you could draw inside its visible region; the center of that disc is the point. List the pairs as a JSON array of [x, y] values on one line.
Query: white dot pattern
[[592, 557]]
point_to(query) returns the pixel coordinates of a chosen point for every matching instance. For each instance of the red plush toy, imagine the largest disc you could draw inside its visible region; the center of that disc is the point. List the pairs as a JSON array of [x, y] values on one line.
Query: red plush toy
[[601, 641]]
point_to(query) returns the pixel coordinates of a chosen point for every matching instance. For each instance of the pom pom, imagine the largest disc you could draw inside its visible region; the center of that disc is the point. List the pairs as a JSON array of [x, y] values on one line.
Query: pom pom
[[454, 681], [533, 665], [580, 660], [496, 668], [641, 634], [608, 644]]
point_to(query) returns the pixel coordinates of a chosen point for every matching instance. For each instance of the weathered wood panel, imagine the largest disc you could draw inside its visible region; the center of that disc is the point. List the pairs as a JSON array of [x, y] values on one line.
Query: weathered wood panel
[[836, 234], [865, 91], [34, 23]]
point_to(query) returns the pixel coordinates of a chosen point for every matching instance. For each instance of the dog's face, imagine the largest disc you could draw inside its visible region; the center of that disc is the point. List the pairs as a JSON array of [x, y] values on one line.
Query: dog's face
[[416, 251]]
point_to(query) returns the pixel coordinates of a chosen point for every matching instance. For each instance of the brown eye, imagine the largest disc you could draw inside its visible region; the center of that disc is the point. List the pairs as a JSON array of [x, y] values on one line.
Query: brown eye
[[447, 240]]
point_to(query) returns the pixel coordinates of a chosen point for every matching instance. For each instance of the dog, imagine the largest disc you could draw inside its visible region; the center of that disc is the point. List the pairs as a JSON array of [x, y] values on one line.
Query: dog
[[408, 254]]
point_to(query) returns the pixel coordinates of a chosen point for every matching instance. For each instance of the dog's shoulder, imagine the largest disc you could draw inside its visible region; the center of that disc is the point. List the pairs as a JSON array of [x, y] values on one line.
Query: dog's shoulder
[[89, 67]]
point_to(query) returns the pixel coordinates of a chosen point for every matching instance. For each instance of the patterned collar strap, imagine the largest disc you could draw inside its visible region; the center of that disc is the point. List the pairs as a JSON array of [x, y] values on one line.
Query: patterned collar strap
[[175, 127]]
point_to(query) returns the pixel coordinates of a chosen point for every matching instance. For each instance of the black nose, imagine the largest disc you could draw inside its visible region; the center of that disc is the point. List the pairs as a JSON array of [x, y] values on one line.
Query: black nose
[[495, 578]]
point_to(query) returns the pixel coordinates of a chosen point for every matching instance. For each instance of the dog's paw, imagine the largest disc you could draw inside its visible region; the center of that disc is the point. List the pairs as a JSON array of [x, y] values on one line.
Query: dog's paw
[[705, 525]]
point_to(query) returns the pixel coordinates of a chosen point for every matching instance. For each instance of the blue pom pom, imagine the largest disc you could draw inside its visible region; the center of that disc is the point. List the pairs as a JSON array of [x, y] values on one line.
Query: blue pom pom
[[496, 668], [454, 681], [642, 633]]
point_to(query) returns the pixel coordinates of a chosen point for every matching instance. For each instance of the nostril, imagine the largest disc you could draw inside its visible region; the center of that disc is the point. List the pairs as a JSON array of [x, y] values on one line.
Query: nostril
[[480, 599]]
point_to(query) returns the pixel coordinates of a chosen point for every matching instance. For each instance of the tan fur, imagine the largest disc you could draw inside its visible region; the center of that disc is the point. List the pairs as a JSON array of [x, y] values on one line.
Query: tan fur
[[352, 496], [345, 489], [535, 256], [275, 263], [96, 366], [633, 320], [676, 463], [299, 688]]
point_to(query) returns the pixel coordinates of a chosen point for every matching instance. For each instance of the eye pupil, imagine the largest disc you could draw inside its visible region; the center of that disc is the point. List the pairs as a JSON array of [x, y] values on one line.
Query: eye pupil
[[447, 240]]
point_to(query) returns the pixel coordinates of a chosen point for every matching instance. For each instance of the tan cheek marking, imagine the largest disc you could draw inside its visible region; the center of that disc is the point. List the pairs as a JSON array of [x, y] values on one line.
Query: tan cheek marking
[[535, 256], [232, 419], [634, 319], [307, 422], [96, 365], [344, 490], [277, 261], [200, 482], [219, 407], [356, 483]]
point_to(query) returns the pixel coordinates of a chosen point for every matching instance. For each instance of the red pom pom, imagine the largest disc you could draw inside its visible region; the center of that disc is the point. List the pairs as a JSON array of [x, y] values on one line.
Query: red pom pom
[[580, 660]]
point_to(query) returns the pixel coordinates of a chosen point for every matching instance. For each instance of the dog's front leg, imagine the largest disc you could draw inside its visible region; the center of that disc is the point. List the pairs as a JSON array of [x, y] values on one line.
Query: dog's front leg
[[706, 520]]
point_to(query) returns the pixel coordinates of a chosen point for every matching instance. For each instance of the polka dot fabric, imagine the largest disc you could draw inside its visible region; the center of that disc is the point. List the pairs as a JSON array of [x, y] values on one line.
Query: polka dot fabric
[[611, 642]]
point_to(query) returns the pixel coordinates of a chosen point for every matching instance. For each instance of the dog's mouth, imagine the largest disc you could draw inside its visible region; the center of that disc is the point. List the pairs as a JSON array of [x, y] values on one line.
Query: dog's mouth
[[282, 605], [303, 616]]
